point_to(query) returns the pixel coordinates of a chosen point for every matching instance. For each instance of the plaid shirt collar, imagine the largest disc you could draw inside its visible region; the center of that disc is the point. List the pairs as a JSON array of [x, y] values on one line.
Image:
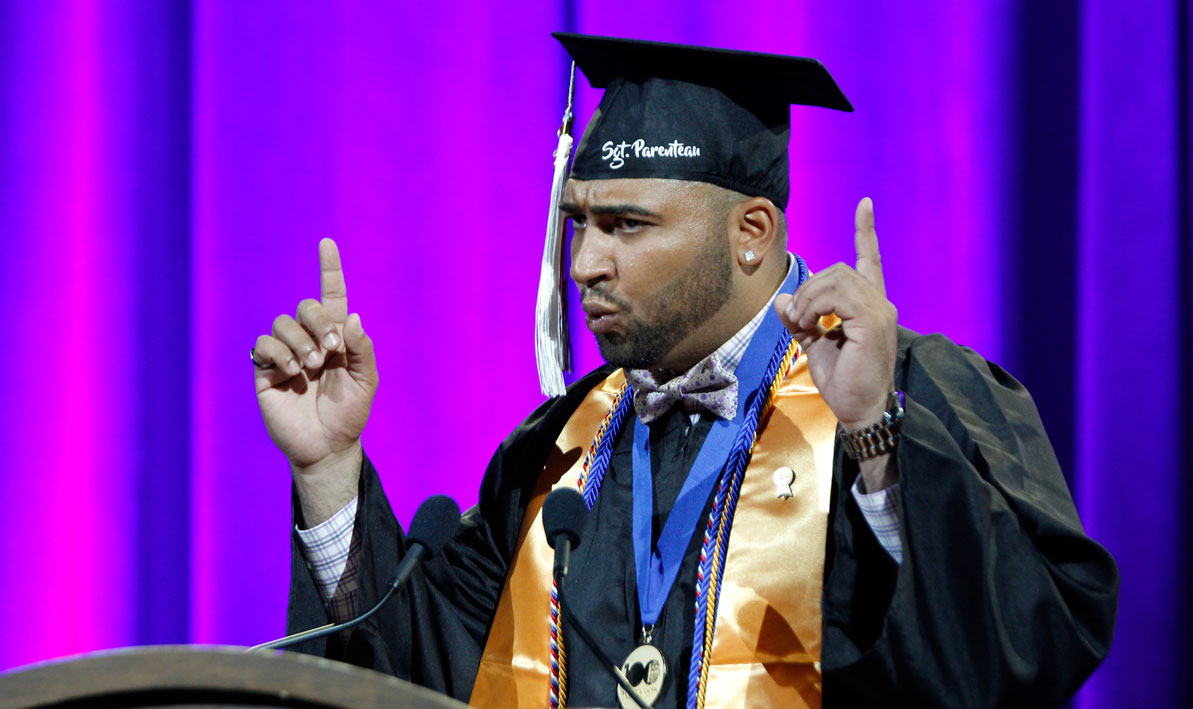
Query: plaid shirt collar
[[734, 348]]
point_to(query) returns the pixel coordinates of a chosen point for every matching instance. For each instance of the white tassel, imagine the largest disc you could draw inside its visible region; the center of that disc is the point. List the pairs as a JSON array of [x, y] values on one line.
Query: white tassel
[[552, 349]]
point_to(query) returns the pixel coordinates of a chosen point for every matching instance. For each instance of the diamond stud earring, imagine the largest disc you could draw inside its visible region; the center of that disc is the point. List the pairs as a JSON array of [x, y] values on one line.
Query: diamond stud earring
[[748, 256]]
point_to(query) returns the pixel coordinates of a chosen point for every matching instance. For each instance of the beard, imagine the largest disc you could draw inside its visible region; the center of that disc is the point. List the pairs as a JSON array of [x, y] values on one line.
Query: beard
[[692, 297]]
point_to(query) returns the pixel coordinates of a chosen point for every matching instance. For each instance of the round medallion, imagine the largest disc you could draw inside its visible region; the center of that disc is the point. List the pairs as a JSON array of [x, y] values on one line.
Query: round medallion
[[646, 670]]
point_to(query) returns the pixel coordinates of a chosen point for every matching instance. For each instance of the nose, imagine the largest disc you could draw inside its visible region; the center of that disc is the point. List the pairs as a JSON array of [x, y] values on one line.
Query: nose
[[592, 257]]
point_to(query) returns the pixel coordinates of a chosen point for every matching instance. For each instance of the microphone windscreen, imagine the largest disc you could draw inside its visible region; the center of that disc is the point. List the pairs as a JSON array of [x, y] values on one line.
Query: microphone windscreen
[[435, 523], [563, 513]]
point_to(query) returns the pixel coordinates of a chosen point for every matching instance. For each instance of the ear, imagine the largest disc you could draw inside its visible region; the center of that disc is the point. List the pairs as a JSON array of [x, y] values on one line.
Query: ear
[[754, 230]]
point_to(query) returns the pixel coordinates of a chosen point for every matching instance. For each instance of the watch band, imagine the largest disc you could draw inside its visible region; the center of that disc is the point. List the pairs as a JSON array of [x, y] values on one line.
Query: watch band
[[879, 438]]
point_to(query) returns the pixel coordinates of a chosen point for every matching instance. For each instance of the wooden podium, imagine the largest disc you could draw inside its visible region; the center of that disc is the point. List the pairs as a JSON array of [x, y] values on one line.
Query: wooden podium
[[208, 676]]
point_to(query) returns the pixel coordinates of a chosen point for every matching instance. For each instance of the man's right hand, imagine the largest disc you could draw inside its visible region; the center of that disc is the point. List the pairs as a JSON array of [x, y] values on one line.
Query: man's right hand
[[315, 377]]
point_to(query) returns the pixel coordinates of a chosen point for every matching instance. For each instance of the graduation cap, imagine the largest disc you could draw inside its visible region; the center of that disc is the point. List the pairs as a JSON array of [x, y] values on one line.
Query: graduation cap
[[677, 112]]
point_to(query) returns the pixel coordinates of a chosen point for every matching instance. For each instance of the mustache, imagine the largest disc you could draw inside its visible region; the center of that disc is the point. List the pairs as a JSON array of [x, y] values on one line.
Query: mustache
[[604, 297]]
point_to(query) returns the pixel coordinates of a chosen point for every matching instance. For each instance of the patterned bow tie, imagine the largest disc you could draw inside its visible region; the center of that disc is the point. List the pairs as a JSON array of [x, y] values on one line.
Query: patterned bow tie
[[708, 386]]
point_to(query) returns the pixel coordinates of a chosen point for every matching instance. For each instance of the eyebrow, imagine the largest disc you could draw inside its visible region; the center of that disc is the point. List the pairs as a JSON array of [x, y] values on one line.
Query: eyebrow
[[608, 209]]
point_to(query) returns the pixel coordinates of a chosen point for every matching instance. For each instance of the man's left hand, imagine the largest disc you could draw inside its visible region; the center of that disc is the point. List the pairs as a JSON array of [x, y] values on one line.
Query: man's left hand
[[852, 364]]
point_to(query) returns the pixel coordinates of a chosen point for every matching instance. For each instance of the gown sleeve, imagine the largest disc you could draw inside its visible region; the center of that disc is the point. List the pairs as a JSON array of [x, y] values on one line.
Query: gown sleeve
[[432, 631], [1001, 599]]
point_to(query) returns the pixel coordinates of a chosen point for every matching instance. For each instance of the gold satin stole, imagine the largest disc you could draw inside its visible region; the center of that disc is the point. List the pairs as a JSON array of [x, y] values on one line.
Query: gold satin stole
[[766, 646]]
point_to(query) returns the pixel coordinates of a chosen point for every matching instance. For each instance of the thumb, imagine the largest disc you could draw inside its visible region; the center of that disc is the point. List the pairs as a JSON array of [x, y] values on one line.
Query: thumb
[[362, 364], [783, 307]]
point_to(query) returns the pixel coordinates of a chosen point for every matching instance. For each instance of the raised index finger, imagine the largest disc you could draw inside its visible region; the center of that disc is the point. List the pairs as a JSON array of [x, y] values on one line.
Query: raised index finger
[[332, 292], [865, 242]]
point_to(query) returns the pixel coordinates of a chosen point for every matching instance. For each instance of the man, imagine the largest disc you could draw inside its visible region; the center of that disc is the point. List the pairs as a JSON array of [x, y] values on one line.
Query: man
[[788, 494]]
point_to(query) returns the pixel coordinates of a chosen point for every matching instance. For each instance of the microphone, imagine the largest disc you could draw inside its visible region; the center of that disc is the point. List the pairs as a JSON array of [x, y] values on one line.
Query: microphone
[[563, 518], [435, 523], [563, 515]]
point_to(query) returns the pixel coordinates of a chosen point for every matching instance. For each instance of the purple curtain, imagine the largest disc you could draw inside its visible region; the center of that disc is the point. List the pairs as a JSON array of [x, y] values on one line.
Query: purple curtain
[[1134, 305], [166, 170]]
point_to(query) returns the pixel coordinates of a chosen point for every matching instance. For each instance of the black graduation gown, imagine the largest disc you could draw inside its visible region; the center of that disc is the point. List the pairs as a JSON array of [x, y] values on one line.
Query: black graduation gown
[[1000, 600]]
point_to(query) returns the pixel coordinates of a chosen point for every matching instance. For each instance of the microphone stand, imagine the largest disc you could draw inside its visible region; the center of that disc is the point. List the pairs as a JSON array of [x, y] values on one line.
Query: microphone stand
[[596, 650], [435, 522], [330, 628]]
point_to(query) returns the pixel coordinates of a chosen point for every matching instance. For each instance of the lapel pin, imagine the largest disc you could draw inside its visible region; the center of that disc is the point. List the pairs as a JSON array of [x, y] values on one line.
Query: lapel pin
[[784, 477]]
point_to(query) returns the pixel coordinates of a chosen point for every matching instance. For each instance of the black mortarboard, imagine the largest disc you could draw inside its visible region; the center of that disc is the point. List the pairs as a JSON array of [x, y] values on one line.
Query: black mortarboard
[[678, 112], [694, 113]]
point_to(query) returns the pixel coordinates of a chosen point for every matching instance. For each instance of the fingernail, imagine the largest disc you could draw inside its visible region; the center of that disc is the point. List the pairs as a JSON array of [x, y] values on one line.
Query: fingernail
[[332, 340], [292, 366], [313, 358]]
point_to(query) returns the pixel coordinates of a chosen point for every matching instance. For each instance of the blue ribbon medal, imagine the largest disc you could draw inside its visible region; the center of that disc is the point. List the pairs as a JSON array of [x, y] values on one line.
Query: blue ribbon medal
[[657, 566]]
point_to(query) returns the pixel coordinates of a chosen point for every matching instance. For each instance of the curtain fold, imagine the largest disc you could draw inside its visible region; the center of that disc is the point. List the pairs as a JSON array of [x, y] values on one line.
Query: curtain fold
[[1133, 321]]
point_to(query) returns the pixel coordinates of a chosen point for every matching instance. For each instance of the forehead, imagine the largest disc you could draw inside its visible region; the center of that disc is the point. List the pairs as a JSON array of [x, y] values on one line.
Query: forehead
[[652, 193]]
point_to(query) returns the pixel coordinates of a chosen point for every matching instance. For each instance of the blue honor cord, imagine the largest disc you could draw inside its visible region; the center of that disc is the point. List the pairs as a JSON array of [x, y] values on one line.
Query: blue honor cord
[[657, 566]]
